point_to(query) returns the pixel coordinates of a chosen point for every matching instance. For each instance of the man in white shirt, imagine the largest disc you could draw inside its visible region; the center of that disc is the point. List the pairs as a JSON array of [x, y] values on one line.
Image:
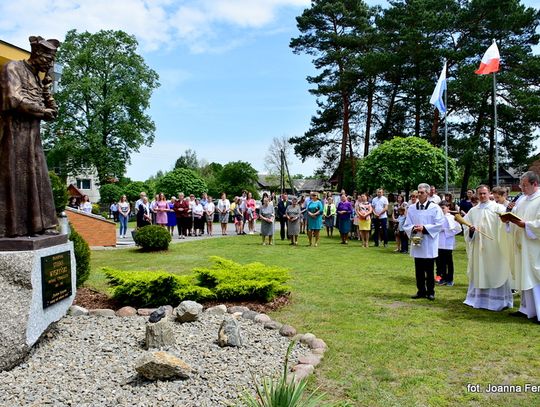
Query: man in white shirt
[[380, 217], [433, 196], [423, 224]]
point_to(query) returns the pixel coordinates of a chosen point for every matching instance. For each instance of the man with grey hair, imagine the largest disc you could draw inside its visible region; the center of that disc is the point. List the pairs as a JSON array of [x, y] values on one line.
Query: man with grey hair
[[423, 224], [526, 234]]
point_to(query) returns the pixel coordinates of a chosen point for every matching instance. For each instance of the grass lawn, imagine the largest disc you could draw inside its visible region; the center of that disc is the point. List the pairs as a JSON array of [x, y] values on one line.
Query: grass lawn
[[385, 348]]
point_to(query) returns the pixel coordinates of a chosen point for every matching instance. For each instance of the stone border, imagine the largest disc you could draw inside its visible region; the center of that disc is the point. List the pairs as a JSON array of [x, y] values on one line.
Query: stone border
[[305, 366]]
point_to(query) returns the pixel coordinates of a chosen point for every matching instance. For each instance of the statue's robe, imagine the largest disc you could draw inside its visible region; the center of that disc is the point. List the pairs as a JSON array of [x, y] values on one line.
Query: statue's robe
[[26, 199]]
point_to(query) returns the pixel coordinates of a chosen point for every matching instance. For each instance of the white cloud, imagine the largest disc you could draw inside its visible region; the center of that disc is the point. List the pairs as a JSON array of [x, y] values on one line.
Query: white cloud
[[155, 23]]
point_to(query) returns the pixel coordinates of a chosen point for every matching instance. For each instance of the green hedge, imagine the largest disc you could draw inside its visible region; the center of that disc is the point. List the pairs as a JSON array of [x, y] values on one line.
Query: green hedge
[[234, 281], [154, 288], [225, 280], [152, 238]]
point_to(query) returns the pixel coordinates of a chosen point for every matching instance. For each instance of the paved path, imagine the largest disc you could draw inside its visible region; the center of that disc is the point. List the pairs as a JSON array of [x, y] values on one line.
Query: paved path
[[128, 240]]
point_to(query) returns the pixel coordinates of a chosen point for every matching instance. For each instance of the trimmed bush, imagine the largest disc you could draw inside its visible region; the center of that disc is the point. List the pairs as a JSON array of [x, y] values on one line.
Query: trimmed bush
[[60, 194], [225, 280], [82, 256], [154, 288], [152, 238], [95, 209], [234, 281]]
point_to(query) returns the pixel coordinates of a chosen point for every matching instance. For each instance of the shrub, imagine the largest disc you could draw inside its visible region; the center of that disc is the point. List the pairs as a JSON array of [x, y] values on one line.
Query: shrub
[[154, 288], [152, 238], [60, 194], [82, 256], [96, 209], [226, 280], [234, 281]]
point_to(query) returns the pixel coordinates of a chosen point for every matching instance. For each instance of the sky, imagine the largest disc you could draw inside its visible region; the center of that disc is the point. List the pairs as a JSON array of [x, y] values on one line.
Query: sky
[[229, 81]]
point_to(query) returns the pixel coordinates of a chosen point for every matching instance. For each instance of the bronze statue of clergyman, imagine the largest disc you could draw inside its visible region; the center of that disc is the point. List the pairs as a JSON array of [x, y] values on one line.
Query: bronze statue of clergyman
[[26, 199]]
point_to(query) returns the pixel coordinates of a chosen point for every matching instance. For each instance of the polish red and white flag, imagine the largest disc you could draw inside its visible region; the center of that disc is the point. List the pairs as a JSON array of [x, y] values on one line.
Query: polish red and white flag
[[490, 61]]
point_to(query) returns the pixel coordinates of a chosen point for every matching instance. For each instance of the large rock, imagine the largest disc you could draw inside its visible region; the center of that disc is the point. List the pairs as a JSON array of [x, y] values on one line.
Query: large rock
[[249, 314], [126, 312], [188, 311], [22, 313], [217, 310], [157, 315], [161, 366], [229, 333], [159, 334], [77, 311], [262, 319], [237, 308], [287, 330]]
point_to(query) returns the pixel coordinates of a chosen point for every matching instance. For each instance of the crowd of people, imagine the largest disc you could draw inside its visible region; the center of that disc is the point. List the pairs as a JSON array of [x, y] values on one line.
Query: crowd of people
[[502, 237]]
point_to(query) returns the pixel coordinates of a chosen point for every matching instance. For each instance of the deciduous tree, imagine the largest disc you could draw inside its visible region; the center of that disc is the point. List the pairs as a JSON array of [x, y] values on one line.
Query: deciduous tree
[[104, 93], [400, 164]]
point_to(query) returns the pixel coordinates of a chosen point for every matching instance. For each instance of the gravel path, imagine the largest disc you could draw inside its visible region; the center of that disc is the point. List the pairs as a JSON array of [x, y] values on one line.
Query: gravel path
[[89, 361]]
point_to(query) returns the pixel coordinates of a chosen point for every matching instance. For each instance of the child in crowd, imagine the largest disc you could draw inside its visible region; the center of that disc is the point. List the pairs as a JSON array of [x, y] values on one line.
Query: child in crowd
[[444, 262], [404, 239]]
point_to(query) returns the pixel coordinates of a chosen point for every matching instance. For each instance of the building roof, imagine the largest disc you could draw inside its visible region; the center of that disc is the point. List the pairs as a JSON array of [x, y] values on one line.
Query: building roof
[[10, 52], [301, 185]]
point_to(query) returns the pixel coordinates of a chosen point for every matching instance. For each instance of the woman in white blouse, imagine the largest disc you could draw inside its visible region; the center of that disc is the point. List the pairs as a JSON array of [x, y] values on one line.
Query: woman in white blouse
[[223, 208]]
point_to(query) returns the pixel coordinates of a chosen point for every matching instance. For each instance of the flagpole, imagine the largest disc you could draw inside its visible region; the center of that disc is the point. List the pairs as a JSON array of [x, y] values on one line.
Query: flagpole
[[446, 134], [495, 128]]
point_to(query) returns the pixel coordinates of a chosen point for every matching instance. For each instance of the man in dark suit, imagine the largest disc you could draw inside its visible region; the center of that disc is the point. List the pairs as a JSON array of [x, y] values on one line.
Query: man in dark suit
[[281, 209]]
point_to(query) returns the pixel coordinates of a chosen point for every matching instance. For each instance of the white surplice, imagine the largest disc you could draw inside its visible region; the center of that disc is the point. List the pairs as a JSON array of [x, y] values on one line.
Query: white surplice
[[432, 219]]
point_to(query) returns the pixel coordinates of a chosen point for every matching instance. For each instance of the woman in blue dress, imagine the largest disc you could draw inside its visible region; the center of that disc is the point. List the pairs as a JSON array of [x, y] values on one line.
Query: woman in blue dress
[[315, 211], [171, 216]]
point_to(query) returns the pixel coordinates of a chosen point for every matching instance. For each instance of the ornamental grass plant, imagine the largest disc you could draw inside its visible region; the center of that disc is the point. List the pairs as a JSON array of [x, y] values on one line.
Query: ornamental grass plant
[[284, 391]]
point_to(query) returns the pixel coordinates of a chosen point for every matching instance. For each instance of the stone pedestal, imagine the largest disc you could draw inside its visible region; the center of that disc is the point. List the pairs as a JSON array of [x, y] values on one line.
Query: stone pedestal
[[28, 307]]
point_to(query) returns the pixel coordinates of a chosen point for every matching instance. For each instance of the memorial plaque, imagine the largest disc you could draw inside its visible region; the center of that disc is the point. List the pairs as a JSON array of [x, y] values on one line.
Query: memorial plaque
[[55, 278]]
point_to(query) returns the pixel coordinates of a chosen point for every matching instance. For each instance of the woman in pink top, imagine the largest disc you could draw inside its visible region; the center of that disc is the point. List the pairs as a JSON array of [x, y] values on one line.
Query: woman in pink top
[[161, 209], [251, 213]]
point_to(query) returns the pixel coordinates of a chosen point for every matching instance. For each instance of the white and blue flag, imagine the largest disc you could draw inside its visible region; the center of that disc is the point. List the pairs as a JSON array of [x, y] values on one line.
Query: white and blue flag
[[437, 96]]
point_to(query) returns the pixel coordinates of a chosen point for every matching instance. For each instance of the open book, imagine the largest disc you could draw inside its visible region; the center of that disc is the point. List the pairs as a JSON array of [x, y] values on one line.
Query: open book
[[509, 217]]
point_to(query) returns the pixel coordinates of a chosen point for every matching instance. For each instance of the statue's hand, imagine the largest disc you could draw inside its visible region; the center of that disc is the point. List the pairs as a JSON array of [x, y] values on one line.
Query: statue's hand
[[50, 114]]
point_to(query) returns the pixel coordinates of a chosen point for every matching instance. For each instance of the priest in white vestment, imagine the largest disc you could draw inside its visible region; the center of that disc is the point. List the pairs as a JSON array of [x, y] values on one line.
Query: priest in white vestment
[[423, 224], [488, 269], [526, 234]]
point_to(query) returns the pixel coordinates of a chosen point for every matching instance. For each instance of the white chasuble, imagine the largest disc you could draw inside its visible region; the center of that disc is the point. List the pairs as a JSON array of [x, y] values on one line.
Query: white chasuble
[[488, 259]]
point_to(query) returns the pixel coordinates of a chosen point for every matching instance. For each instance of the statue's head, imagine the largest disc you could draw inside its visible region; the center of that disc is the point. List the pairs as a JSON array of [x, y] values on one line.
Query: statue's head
[[43, 52]]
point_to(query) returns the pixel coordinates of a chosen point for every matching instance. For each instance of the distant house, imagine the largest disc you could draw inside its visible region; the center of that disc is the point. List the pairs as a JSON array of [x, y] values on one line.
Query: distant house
[[535, 166], [268, 183], [509, 177], [86, 184]]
